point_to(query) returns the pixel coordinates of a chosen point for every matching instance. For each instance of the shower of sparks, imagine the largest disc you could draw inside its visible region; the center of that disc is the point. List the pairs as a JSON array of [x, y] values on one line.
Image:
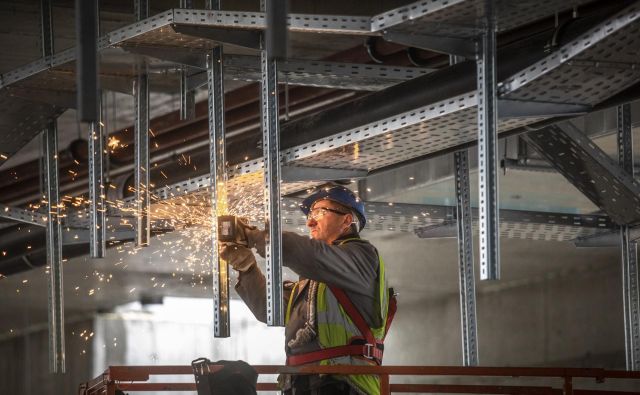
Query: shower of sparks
[[187, 258], [114, 144]]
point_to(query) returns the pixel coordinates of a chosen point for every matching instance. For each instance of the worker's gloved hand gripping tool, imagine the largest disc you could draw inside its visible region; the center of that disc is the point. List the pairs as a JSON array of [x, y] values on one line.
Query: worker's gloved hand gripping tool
[[237, 237], [231, 230]]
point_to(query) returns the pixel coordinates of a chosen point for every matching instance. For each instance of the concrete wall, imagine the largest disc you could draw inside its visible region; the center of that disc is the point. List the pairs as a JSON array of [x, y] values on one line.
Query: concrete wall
[[555, 305], [24, 361]]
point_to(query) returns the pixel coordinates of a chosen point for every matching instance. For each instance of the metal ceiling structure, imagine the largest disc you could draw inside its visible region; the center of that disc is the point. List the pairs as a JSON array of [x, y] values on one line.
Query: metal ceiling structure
[[412, 113]]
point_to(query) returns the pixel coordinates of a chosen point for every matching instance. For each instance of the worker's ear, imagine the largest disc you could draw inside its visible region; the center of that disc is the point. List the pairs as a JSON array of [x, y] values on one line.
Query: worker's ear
[[348, 220]]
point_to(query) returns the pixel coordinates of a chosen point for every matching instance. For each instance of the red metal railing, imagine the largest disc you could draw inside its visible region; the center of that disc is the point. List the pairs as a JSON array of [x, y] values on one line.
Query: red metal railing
[[134, 378]]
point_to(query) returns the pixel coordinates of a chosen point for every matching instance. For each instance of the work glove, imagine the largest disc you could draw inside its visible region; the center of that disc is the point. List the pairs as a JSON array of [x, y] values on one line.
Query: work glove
[[251, 235], [239, 257]]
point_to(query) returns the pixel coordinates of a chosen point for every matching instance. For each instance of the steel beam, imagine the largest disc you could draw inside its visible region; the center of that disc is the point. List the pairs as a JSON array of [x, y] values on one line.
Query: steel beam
[[276, 36], [272, 177], [141, 141], [625, 139], [218, 179], [54, 252], [141, 9], [465, 261], [87, 60], [97, 209], [46, 29], [590, 170], [631, 299], [487, 148], [629, 253], [21, 215], [187, 96], [141, 93]]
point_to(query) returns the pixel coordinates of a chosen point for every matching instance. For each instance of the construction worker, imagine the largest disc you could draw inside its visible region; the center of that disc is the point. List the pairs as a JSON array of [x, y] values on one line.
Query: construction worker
[[336, 268]]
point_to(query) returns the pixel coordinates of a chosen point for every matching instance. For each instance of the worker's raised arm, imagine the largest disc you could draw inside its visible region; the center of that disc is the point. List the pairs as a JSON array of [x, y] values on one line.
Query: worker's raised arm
[[351, 266]]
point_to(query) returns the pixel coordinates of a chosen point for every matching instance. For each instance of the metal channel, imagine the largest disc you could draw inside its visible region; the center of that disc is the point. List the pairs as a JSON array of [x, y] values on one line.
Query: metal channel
[[187, 96], [97, 209], [572, 49], [487, 148], [54, 252], [46, 29], [629, 253], [465, 260], [310, 23], [141, 93], [272, 177], [22, 215], [87, 61], [589, 169], [409, 12], [141, 9], [218, 180]]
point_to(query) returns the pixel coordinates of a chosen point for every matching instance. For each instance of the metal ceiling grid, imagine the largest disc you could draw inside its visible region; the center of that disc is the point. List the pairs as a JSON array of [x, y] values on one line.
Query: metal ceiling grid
[[428, 136], [514, 224], [380, 134], [590, 170], [461, 18], [158, 28], [586, 71], [308, 23], [551, 226], [21, 121], [544, 232]]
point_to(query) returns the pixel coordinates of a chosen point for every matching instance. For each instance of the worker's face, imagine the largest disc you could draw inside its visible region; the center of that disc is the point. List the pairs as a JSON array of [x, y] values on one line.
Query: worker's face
[[328, 220]]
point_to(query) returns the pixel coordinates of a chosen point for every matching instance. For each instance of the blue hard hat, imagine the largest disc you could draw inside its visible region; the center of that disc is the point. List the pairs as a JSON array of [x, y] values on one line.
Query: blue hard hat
[[338, 194]]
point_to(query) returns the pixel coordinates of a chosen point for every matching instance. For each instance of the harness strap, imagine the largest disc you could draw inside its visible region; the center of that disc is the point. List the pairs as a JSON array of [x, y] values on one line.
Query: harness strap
[[363, 350], [391, 311], [354, 314], [373, 348]]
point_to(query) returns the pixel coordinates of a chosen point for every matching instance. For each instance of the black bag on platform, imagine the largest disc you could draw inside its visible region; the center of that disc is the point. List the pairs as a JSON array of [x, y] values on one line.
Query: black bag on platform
[[235, 378]]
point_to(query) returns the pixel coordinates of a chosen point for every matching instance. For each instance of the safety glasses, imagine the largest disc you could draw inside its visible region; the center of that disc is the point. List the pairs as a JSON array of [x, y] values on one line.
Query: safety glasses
[[319, 212]]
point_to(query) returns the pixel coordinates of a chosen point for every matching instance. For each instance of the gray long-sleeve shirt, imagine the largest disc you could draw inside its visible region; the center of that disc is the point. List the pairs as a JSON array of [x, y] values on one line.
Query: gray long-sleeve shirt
[[352, 266]]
